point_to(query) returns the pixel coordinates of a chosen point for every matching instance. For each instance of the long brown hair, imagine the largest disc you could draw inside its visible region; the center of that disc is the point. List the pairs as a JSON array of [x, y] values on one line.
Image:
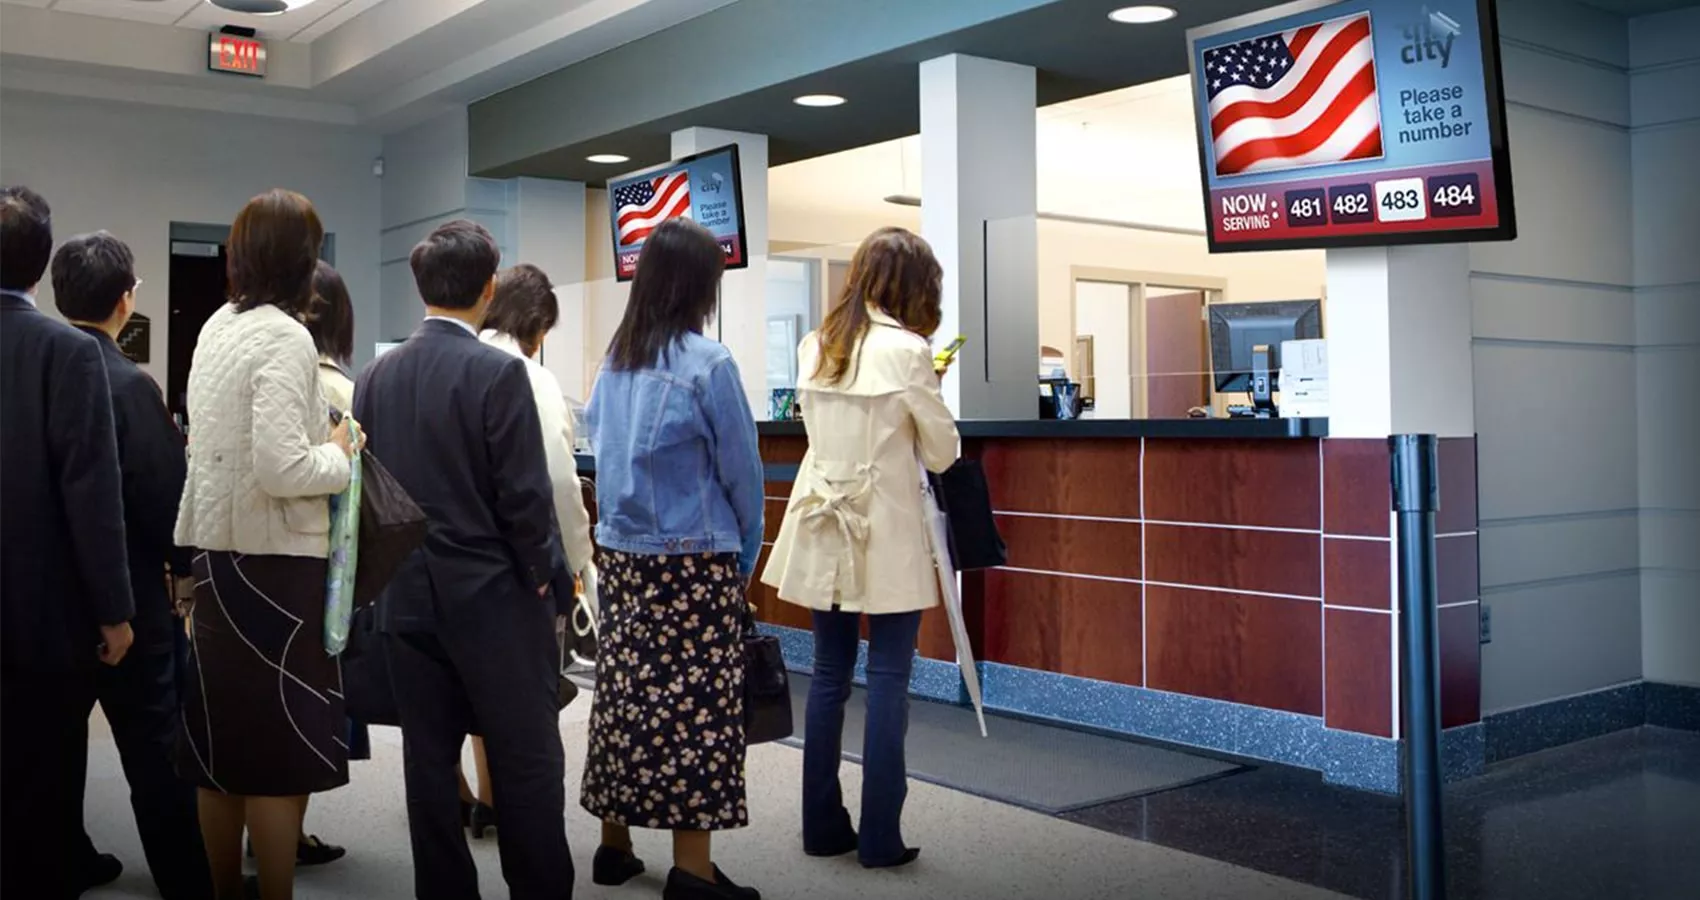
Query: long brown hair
[[673, 293], [273, 250], [893, 271], [329, 316]]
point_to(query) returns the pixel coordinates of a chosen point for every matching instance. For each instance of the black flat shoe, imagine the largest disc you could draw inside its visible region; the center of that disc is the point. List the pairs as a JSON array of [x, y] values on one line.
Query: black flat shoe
[[483, 819], [682, 885], [908, 856], [613, 867], [97, 870]]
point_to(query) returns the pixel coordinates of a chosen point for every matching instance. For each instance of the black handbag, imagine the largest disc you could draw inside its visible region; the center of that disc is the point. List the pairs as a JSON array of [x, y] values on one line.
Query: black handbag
[[392, 526], [966, 501], [767, 687], [368, 691]]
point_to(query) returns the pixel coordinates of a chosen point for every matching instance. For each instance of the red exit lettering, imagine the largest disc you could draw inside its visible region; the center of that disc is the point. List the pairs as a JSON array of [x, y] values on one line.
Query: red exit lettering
[[235, 53]]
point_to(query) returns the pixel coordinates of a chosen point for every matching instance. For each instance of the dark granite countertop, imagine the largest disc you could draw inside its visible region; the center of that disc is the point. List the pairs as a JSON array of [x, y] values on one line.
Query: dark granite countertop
[[1114, 428]]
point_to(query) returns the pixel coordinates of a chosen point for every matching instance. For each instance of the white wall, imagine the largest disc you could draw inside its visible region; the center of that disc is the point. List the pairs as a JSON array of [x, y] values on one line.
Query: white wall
[[1555, 369], [1664, 57], [134, 169]]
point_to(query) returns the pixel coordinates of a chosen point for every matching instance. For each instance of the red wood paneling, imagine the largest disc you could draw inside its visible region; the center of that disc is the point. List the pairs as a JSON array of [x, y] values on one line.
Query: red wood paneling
[[1067, 477], [1360, 671], [1456, 461], [1357, 492], [1264, 651], [1276, 484], [1277, 562], [1358, 572], [1460, 665], [1109, 549], [1075, 626], [1457, 569]]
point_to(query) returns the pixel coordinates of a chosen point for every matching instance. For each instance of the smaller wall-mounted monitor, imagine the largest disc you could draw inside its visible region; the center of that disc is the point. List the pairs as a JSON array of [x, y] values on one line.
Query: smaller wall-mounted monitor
[[1340, 123], [704, 187]]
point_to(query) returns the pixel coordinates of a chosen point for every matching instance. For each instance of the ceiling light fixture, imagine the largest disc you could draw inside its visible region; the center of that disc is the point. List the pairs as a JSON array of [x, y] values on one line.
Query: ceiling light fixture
[[607, 158], [259, 7], [819, 100], [1142, 15]]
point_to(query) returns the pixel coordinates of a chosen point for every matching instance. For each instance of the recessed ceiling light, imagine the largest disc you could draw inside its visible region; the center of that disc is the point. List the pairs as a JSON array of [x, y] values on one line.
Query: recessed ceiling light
[[607, 158], [1142, 15], [821, 100], [260, 7]]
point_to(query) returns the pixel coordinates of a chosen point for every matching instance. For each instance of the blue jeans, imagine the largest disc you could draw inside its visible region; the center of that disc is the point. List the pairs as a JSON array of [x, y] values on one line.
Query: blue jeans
[[891, 656]]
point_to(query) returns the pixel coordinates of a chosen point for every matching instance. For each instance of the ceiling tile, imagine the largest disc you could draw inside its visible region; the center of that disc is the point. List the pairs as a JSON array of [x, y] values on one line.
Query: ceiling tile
[[207, 17], [158, 12]]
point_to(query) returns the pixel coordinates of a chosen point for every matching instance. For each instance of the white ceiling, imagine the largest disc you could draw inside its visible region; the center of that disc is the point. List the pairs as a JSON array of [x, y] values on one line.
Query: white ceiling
[[382, 64], [1130, 154], [304, 24]]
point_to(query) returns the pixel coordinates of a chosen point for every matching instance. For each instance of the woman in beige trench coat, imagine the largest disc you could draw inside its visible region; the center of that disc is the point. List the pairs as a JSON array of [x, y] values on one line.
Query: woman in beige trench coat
[[855, 539]]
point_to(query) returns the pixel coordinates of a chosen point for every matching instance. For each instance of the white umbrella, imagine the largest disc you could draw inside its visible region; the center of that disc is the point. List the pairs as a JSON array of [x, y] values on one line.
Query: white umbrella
[[938, 531]]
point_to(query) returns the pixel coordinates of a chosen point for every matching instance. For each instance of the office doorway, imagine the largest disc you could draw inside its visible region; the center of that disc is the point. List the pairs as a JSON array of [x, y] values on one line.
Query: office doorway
[[1142, 342], [196, 287]]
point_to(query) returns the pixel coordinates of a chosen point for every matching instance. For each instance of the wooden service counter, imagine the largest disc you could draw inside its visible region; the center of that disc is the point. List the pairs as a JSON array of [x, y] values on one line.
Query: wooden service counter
[[1222, 583]]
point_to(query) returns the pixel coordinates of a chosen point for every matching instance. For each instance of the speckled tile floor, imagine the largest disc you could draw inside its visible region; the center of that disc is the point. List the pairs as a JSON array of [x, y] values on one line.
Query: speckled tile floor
[[1617, 816], [975, 849]]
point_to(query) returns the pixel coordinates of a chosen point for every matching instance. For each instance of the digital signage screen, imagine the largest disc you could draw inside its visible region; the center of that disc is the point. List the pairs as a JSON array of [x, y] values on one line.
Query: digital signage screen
[[1338, 123], [704, 187]]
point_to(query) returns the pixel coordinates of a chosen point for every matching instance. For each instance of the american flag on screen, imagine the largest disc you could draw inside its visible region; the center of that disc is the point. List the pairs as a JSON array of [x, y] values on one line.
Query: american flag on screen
[[1297, 98], [642, 205]]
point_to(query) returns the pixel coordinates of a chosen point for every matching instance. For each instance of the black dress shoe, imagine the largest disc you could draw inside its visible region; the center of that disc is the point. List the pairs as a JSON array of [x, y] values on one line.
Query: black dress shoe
[[313, 852], [908, 856], [613, 867], [682, 885], [102, 868], [483, 819]]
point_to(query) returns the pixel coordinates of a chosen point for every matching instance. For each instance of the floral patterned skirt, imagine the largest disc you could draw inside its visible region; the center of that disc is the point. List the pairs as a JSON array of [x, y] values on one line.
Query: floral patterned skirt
[[667, 722]]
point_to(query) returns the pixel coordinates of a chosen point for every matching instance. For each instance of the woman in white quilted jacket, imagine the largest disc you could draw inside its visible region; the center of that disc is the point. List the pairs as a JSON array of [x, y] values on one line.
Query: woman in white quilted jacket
[[262, 705]]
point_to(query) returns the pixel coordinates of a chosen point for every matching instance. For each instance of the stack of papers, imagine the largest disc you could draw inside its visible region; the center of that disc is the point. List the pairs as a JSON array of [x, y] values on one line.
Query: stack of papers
[[1304, 379]]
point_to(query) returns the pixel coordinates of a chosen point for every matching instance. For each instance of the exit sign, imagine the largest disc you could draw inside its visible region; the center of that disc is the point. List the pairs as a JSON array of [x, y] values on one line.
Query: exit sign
[[236, 54]]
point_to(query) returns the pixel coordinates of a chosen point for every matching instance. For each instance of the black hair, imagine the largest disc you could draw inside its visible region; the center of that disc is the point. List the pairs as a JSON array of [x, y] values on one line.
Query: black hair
[[452, 264], [91, 273], [673, 293], [525, 307], [330, 315], [26, 238]]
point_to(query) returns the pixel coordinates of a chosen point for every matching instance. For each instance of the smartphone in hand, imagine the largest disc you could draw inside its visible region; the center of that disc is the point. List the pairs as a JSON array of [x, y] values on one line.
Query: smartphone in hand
[[943, 358]]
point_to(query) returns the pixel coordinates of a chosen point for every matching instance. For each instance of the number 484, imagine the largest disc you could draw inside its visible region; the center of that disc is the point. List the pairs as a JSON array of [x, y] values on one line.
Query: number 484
[[1455, 195]]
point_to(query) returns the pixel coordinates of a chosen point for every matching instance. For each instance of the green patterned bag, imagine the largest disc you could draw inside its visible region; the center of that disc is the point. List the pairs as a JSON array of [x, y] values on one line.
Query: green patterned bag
[[345, 555]]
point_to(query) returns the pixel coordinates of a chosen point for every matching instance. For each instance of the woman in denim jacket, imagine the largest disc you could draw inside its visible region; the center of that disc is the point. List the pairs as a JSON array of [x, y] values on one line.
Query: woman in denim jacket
[[679, 496]]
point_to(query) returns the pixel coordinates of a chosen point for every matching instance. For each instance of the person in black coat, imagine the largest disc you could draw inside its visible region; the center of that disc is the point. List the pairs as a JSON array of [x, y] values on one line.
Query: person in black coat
[[65, 601], [94, 286], [469, 620]]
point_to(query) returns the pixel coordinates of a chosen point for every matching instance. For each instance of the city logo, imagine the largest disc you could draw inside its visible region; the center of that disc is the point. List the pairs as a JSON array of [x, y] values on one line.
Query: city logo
[[1429, 38]]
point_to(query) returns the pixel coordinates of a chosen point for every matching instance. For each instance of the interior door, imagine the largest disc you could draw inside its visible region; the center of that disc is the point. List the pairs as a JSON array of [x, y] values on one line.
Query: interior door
[[1103, 310], [1176, 362], [197, 290]]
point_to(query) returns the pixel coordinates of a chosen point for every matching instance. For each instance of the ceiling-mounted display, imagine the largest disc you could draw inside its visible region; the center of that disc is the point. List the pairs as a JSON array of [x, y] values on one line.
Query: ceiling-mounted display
[[1329, 123], [704, 187]]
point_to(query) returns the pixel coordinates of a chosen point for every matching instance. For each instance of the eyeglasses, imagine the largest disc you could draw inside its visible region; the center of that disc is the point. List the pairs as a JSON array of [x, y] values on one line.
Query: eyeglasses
[[137, 287]]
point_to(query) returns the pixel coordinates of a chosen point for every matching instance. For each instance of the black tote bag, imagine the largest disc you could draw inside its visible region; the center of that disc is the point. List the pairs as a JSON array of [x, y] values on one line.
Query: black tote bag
[[966, 501], [392, 526]]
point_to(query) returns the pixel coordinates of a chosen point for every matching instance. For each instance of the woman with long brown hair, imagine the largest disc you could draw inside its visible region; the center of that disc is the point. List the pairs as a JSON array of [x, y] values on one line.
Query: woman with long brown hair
[[872, 408], [262, 704]]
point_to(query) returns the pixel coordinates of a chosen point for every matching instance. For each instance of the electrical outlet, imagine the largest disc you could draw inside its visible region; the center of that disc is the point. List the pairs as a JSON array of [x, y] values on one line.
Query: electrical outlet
[[1487, 623]]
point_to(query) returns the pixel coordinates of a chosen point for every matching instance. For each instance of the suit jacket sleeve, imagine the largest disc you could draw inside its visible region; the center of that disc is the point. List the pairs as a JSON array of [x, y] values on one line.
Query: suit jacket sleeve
[[82, 437], [519, 471], [154, 466]]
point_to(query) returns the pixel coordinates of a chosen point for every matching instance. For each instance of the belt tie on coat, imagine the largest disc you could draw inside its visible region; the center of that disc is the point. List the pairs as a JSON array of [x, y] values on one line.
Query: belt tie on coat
[[827, 505]]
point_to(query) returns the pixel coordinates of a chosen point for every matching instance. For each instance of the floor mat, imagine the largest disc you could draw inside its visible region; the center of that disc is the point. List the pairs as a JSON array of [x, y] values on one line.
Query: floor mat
[[1041, 767]]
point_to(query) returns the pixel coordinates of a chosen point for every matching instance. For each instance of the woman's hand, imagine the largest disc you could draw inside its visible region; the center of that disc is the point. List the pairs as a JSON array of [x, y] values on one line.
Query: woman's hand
[[346, 440]]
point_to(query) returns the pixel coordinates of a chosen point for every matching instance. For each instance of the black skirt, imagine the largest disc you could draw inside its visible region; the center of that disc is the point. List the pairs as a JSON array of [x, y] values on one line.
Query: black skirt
[[262, 701], [667, 723]]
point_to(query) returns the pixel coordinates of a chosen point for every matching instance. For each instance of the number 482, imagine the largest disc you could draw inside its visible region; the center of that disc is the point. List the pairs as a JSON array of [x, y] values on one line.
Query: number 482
[[1454, 195]]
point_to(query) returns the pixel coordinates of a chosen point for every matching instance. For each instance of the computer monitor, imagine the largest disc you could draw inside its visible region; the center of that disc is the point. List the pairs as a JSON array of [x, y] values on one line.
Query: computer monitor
[[1237, 330]]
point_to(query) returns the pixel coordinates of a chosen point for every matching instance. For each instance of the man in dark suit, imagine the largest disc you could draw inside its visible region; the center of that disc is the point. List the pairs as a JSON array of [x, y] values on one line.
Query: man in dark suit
[[65, 602], [470, 622], [94, 286]]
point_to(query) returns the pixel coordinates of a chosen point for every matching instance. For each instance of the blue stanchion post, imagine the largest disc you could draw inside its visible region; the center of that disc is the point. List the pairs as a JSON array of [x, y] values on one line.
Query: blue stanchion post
[[1416, 497]]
